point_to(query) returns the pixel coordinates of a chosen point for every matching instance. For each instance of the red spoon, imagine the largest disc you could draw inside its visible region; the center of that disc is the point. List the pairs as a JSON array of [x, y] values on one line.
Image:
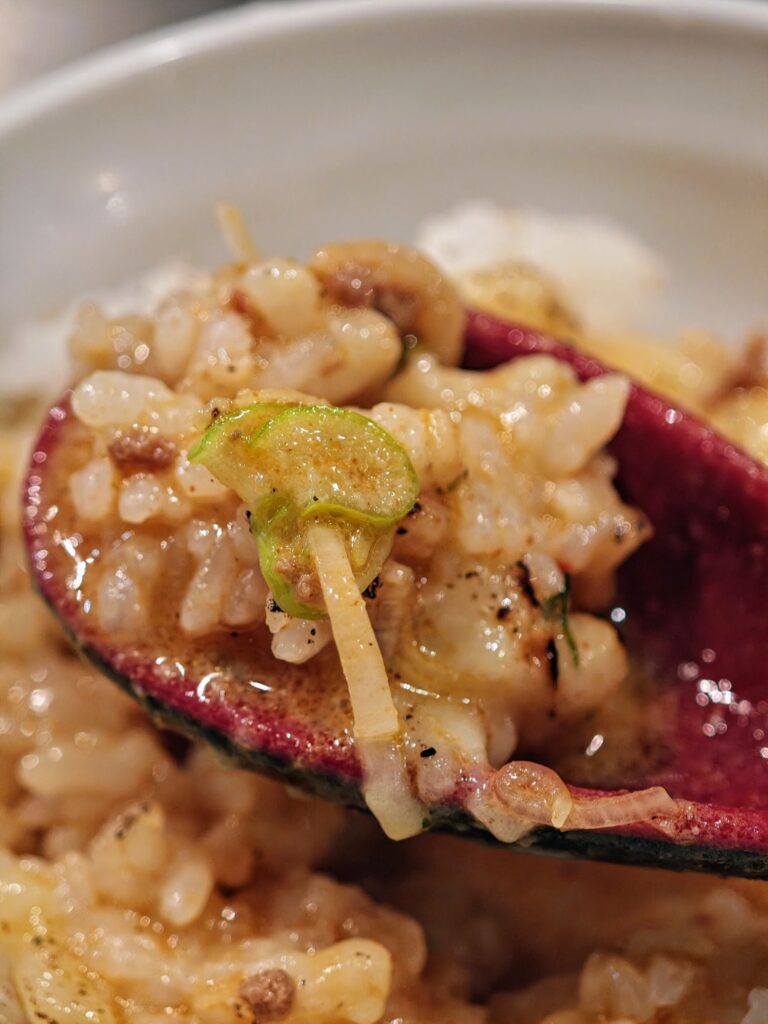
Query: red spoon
[[696, 597], [692, 598]]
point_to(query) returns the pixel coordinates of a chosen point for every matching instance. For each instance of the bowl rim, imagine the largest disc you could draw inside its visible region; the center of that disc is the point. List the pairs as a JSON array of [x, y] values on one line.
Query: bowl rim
[[218, 31]]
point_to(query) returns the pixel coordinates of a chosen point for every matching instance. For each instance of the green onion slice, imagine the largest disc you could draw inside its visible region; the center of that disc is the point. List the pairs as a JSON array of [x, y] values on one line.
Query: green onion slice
[[296, 465]]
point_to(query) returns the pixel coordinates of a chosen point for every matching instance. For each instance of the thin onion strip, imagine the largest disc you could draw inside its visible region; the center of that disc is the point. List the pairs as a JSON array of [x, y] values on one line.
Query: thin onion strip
[[533, 792], [236, 235], [622, 809], [387, 787], [373, 710], [388, 790]]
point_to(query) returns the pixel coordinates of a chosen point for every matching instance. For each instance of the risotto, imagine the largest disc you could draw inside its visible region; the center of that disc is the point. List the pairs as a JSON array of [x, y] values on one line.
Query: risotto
[[140, 880]]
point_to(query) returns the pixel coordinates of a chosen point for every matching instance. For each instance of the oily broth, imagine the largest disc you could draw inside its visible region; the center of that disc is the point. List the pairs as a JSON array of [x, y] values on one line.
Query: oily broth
[[619, 745]]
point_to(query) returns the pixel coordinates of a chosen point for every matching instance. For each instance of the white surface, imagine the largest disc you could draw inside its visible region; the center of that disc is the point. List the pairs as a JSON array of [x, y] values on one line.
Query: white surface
[[609, 280], [361, 118], [38, 35]]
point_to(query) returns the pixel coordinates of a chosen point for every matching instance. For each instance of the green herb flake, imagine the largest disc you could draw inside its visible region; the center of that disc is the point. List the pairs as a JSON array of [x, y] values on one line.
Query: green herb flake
[[556, 608]]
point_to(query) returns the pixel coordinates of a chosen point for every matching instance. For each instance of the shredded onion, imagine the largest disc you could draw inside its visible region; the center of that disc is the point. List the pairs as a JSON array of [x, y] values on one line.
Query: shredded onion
[[522, 795], [484, 805], [388, 790], [519, 796], [624, 809], [373, 709], [387, 787], [533, 792], [236, 235]]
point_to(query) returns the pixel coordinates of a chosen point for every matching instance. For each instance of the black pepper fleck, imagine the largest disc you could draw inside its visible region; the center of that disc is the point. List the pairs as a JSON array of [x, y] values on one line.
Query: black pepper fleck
[[525, 584], [554, 661], [373, 588]]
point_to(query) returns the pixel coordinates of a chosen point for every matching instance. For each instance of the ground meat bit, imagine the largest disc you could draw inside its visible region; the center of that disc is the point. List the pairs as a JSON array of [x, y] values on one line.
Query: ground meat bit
[[141, 449], [257, 325], [400, 306], [353, 285], [268, 994]]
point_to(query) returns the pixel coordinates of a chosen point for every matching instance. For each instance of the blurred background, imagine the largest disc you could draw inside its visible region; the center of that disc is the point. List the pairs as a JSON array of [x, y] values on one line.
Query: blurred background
[[39, 35]]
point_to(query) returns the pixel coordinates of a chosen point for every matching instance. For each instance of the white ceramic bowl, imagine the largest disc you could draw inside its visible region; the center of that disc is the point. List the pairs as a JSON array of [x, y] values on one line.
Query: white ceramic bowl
[[358, 118]]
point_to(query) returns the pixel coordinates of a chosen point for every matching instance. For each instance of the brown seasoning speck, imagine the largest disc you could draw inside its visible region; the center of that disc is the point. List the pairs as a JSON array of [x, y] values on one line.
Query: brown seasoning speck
[[142, 450], [269, 994]]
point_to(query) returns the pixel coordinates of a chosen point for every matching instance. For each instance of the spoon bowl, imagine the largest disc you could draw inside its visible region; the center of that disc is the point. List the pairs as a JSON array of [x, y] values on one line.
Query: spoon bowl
[[690, 601]]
